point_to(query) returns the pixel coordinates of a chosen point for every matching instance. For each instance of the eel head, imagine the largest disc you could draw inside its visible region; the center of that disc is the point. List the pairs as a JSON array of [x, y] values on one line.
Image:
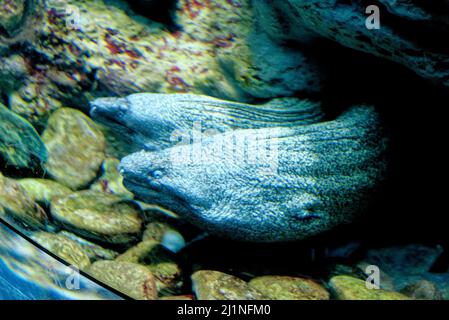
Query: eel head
[[138, 120]]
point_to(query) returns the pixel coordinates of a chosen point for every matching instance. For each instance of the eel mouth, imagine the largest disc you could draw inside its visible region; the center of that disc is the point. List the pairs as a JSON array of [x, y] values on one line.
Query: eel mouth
[[106, 116], [152, 192]]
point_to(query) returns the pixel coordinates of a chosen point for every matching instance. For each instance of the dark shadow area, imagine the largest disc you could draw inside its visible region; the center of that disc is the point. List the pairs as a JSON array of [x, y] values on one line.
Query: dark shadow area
[[409, 207], [162, 11]]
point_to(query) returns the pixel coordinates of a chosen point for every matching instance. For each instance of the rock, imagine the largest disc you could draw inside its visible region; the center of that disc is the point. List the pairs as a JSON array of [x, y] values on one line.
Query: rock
[[12, 71], [156, 230], [154, 212], [410, 31], [18, 22], [165, 269], [111, 181], [349, 288], [34, 99], [404, 263], [279, 22], [408, 265], [138, 252], [289, 288], [215, 285], [166, 234], [75, 148], [176, 298], [386, 281], [422, 290], [94, 251], [132, 279], [117, 146], [362, 270], [11, 15], [64, 248], [20, 145], [214, 51], [99, 216], [43, 190], [161, 262], [440, 280], [257, 70], [16, 203]]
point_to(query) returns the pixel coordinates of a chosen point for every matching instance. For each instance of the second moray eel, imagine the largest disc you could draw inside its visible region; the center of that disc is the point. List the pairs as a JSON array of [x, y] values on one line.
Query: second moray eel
[[157, 121]]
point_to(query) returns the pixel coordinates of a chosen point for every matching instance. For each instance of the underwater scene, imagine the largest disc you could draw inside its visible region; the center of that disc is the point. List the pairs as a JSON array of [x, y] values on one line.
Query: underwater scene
[[223, 149]]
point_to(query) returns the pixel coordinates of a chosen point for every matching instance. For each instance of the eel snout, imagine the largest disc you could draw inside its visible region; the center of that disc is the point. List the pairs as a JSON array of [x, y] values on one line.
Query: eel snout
[[142, 169], [108, 110]]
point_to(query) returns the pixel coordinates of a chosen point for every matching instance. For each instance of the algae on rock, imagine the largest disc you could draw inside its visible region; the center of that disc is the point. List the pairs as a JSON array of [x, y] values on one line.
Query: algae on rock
[[99, 216], [289, 288], [132, 279], [17, 204], [64, 248], [20, 144], [160, 261], [349, 288], [75, 148], [215, 285], [109, 50], [43, 190]]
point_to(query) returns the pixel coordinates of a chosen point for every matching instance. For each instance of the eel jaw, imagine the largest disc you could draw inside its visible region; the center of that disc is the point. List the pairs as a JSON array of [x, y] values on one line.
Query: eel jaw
[[108, 109], [108, 112], [154, 193]]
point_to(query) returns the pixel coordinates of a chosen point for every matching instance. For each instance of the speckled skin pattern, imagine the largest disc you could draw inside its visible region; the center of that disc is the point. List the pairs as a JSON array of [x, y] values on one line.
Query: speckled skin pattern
[[319, 175], [157, 121]]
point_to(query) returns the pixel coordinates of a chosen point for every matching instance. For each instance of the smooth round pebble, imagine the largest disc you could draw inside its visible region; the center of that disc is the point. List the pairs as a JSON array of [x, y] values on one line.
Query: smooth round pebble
[[160, 261], [43, 190], [97, 215], [76, 148], [132, 279], [215, 285], [111, 181], [422, 290], [17, 204], [289, 288], [64, 248], [349, 288]]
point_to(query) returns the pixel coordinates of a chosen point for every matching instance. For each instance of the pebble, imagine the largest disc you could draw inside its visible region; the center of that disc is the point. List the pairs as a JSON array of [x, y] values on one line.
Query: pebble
[[66, 249], [100, 216], [17, 204], [289, 288], [43, 190], [132, 279], [349, 288], [75, 148], [215, 285]]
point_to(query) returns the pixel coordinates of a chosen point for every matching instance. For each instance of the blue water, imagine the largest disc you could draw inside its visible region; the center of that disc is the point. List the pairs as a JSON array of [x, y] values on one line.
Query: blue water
[[28, 273]]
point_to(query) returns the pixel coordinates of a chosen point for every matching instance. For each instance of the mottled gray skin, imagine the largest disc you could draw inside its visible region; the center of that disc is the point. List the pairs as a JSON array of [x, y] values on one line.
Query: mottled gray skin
[[326, 172], [157, 121]]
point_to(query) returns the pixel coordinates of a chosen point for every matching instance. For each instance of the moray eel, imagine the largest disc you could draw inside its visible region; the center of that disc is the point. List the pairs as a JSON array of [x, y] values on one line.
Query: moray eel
[[262, 184], [157, 121]]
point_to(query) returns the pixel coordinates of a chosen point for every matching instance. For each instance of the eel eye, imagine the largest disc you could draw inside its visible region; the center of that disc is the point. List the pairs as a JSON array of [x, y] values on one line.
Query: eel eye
[[157, 174]]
